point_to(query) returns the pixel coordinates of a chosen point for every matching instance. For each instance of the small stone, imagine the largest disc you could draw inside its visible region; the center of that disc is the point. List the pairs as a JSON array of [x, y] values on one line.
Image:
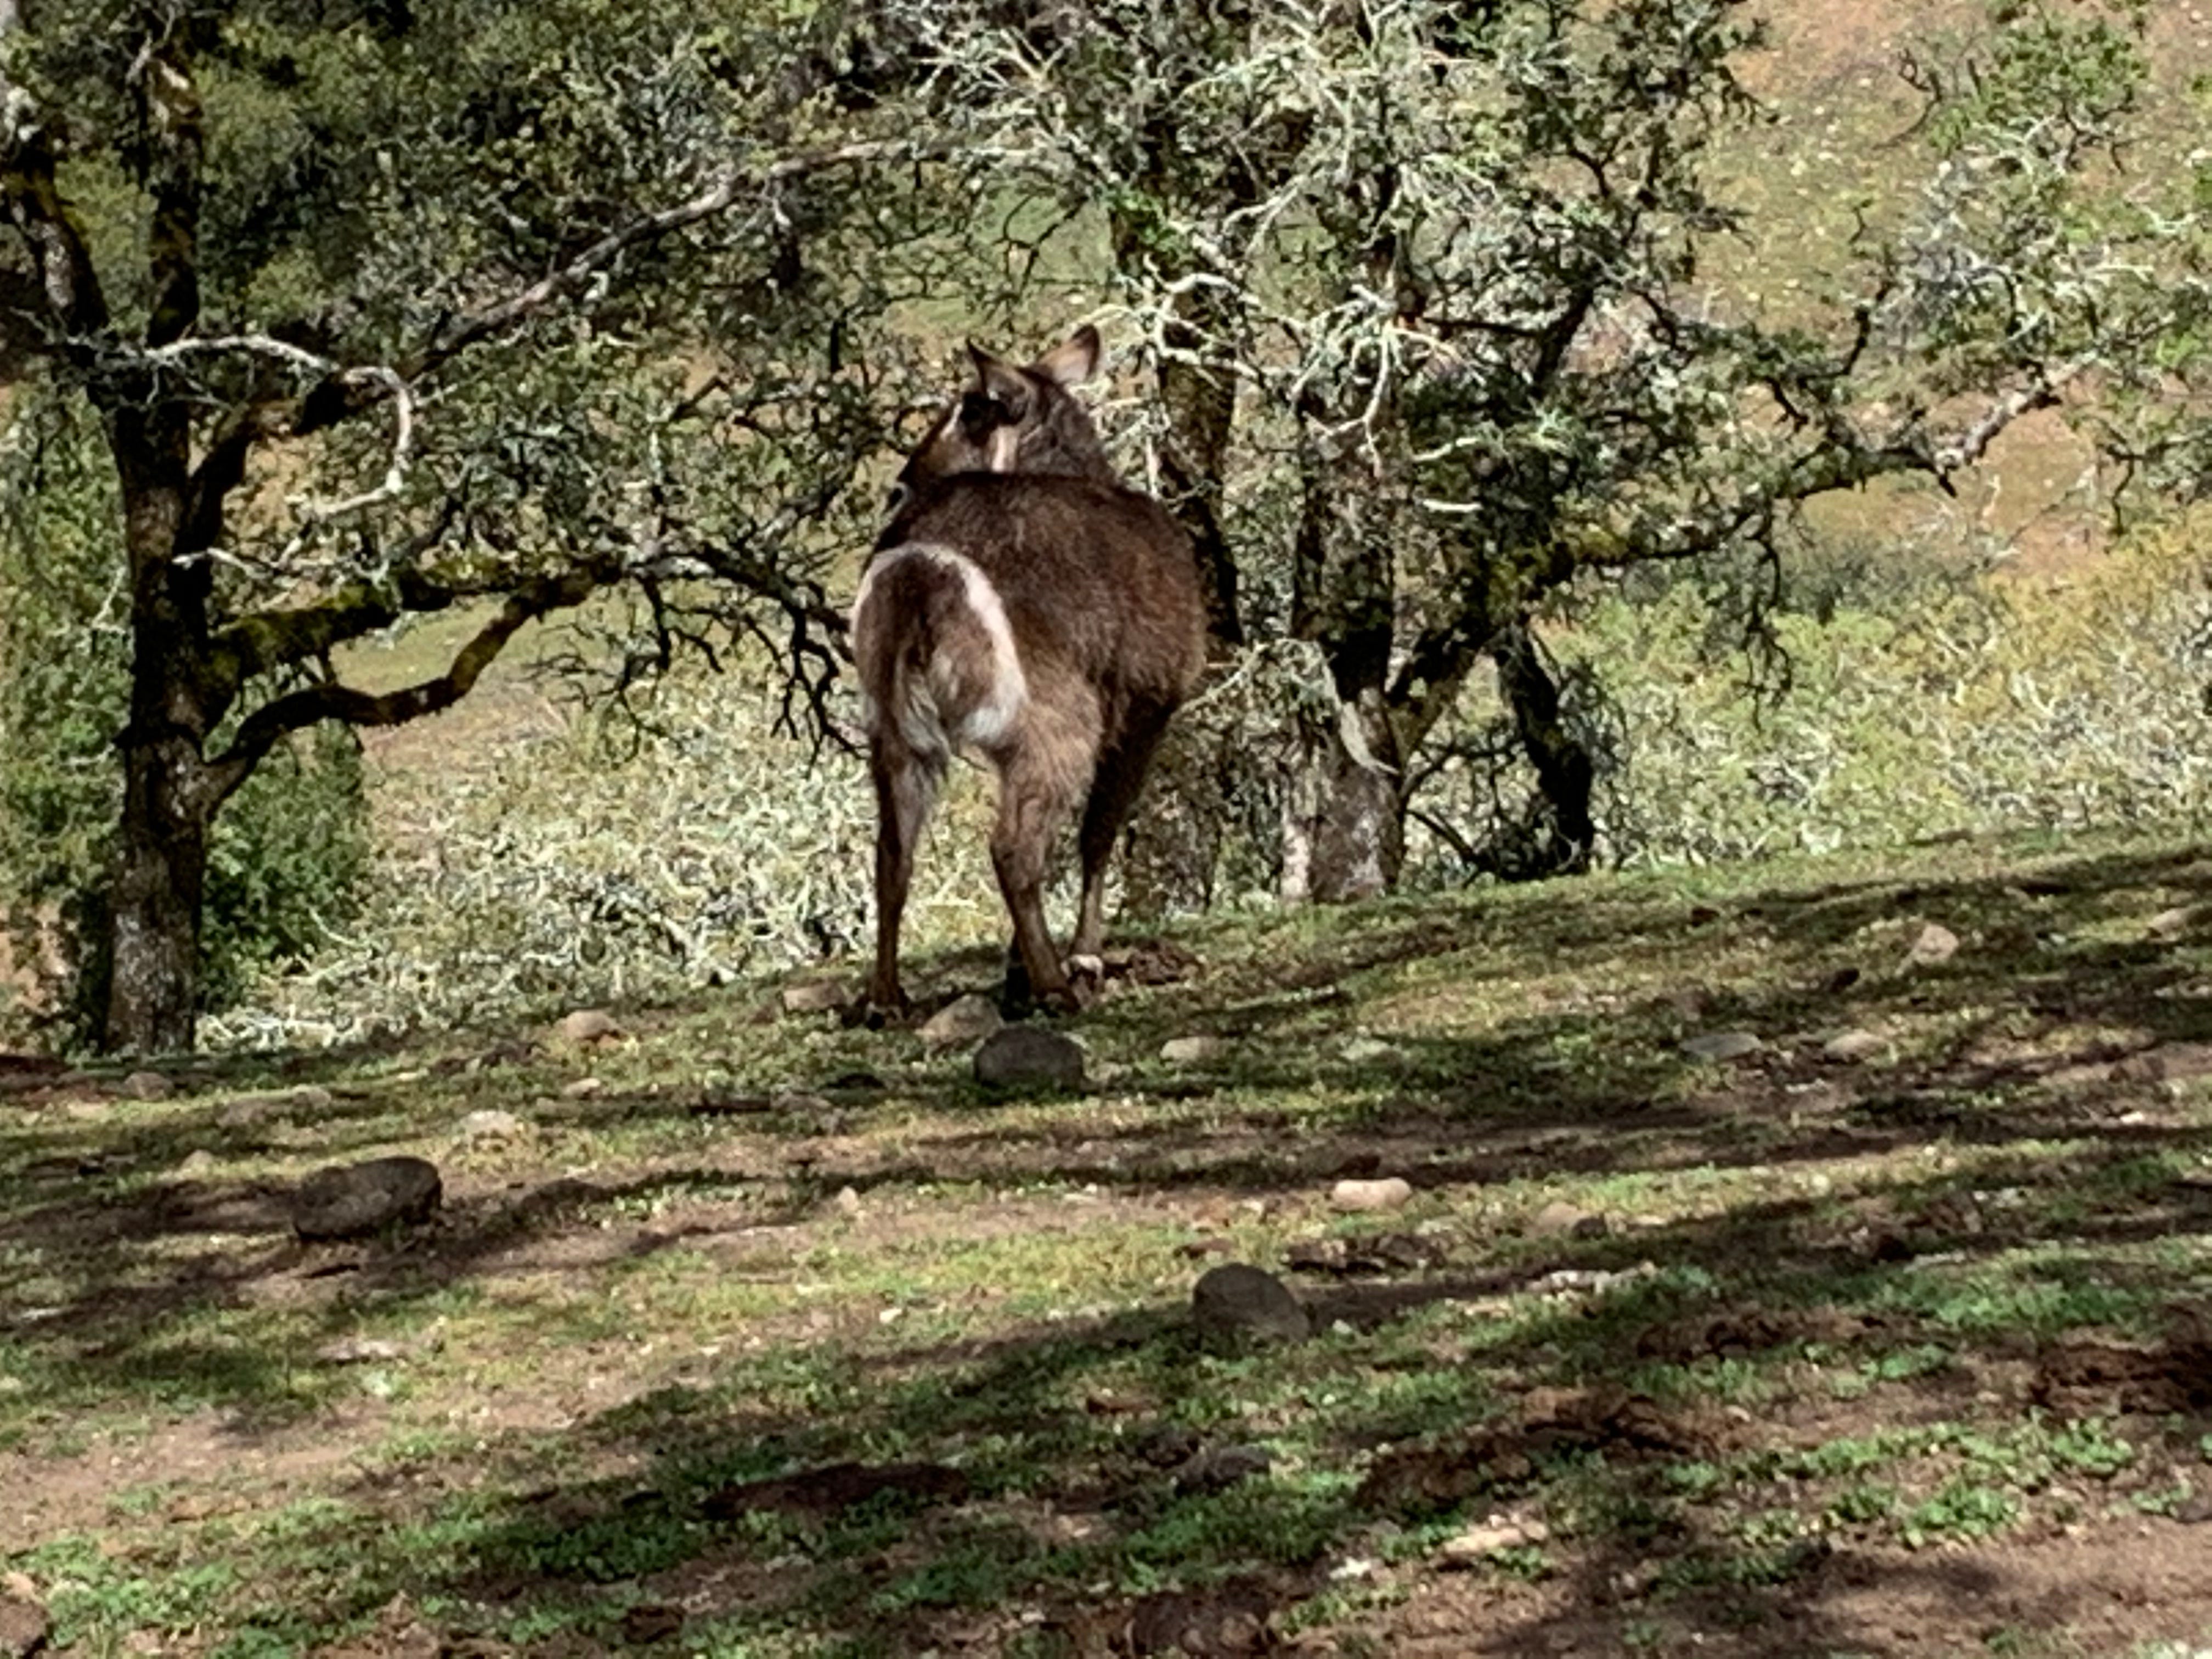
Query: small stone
[[1850, 1046], [489, 1124], [1718, 1046], [588, 1025], [967, 1019], [1218, 1471], [354, 1200], [24, 1627], [582, 1088], [1478, 1543], [197, 1163], [2171, 924], [1362, 1050], [817, 996], [1238, 1302], [1560, 1219], [847, 1202], [148, 1086], [1030, 1057], [1193, 1050], [1936, 942], [1388, 1193], [308, 1098]]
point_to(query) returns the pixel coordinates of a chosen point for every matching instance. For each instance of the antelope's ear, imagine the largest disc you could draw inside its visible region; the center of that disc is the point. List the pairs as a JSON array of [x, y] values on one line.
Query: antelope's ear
[[1000, 381], [1073, 361]]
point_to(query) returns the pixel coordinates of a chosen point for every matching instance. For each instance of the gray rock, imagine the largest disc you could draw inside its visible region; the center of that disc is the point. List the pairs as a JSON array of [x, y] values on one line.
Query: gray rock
[[1193, 1050], [24, 1628], [1240, 1303], [309, 1097], [1388, 1193], [816, 996], [1364, 1050], [197, 1163], [846, 1201], [1722, 1045], [148, 1086], [967, 1019], [583, 1087], [1853, 1045], [1560, 1219], [2171, 924], [588, 1025], [354, 1200], [489, 1124], [1936, 942], [1218, 1471], [1030, 1057]]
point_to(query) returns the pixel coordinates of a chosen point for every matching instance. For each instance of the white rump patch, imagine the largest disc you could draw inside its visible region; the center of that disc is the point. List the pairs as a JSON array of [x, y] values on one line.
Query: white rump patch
[[931, 719]]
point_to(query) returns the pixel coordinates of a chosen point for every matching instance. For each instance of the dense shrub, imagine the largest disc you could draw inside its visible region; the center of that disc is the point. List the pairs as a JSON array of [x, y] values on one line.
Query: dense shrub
[[1907, 705]]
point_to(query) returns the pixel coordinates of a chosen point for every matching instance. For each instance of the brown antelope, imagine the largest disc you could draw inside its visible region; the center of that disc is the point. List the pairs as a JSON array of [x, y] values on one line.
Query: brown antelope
[[1024, 605]]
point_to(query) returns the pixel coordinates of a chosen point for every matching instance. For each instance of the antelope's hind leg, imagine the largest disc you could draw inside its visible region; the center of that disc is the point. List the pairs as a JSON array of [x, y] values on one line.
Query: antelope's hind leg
[[906, 789], [1035, 798]]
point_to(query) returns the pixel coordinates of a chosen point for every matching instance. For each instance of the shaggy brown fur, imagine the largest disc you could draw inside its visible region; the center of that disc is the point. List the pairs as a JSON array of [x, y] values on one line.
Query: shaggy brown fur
[[1026, 606]]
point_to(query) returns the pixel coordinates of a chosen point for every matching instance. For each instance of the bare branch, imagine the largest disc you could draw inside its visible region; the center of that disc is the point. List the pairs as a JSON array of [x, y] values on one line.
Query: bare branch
[[262, 729]]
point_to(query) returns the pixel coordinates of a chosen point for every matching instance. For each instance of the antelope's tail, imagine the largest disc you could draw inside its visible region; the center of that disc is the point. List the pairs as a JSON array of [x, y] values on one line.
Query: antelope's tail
[[939, 666]]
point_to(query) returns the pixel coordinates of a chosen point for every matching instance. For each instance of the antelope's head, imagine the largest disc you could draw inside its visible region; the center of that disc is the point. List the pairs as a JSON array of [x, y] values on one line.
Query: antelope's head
[[1014, 419]]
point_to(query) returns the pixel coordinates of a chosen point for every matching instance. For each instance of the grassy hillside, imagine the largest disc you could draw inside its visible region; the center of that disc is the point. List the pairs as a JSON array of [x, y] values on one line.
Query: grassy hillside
[[745, 1335]]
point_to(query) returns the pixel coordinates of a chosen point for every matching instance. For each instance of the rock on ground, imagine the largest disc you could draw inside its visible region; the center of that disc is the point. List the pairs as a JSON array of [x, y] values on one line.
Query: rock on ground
[[813, 997], [589, 1025], [489, 1124], [1388, 1193], [1936, 944], [966, 1019], [1240, 1303], [354, 1200], [1029, 1057], [1855, 1045], [1193, 1050]]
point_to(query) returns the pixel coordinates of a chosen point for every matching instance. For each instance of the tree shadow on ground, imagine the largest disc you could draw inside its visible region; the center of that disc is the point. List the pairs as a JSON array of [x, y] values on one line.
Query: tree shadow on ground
[[2060, 1023]]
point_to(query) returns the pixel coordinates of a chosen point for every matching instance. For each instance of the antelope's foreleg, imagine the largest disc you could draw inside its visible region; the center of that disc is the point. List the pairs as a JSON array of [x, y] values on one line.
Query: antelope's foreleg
[[1121, 774]]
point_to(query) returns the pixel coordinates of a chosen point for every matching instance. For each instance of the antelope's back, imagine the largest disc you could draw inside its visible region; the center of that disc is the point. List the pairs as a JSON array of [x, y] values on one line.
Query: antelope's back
[[1095, 578]]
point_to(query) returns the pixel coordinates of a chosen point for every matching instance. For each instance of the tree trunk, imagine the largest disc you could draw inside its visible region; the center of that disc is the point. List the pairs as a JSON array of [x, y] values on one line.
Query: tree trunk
[[1344, 830], [1563, 829], [160, 876], [161, 871]]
